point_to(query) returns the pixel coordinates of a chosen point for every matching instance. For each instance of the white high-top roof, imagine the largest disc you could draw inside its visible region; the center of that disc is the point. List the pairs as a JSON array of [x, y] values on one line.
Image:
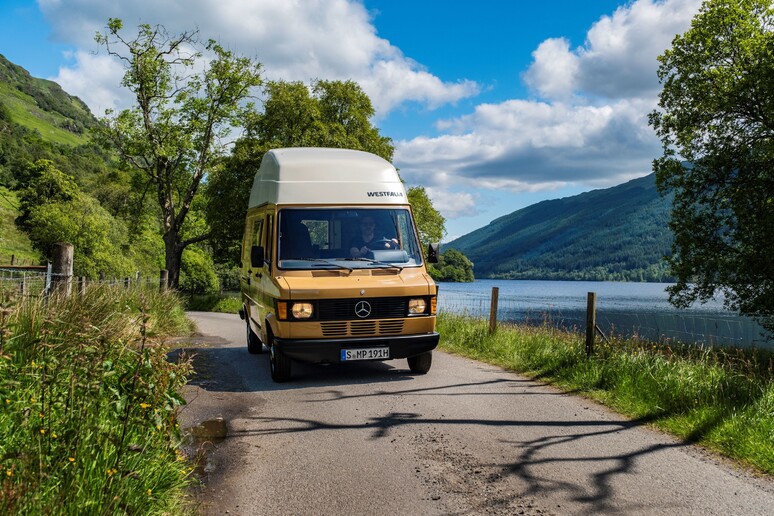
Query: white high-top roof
[[309, 175]]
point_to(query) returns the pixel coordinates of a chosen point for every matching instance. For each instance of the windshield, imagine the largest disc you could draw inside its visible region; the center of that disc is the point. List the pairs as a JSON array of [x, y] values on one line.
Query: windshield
[[347, 238]]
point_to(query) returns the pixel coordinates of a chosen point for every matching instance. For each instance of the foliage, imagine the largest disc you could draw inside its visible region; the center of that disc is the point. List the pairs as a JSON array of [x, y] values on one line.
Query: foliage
[[430, 222], [722, 399], [717, 114], [13, 241], [174, 132], [197, 274], [53, 209], [88, 404], [326, 114], [452, 266], [617, 234]]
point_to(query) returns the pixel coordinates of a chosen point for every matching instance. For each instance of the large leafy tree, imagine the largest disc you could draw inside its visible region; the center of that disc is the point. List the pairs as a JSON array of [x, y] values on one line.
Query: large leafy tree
[[326, 114], [184, 108], [716, 124]]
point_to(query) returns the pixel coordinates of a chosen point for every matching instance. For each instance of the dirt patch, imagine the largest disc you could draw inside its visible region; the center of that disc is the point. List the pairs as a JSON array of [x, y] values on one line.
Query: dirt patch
[[462, 483]]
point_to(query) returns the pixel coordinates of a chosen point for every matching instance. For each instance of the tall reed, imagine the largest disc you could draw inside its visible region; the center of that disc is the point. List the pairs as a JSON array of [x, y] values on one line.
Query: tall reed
[[88, 403]]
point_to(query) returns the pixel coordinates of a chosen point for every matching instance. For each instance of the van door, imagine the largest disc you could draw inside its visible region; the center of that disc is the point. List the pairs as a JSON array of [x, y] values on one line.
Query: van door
[[262, 277], [251, 275]]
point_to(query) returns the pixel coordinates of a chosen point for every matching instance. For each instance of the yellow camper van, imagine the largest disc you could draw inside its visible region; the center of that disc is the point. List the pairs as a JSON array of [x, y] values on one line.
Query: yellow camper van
[[332, 270]]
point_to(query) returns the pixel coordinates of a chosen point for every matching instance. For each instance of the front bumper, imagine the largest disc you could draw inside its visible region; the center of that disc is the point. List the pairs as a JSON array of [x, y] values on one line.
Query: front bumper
[[320, 351]]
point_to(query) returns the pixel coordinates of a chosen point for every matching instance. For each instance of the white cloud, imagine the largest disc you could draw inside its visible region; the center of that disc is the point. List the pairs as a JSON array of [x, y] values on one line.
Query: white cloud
[[452, 204], [618, 58], [554, 71], [591, 129], [314, 39], [94, 81]]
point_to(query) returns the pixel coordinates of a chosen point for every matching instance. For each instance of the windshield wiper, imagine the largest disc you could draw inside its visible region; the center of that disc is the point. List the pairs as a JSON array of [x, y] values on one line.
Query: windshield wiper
[[326, 262], [375, 262]]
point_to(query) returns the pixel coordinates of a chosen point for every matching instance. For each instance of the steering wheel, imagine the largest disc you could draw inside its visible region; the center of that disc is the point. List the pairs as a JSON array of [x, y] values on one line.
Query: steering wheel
[[381, 243]]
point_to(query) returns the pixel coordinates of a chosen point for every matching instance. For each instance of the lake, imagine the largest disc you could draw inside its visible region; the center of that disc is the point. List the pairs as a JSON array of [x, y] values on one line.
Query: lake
[[623, 308]]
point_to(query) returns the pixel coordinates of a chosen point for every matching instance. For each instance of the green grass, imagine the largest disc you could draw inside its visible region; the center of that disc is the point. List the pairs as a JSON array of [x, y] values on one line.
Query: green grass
[[722, 399], [228, 303], [88, 403], [13, 242], [25, 111]]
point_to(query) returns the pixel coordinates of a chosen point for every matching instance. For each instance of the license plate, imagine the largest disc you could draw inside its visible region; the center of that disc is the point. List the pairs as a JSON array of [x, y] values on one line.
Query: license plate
[[365, 354]]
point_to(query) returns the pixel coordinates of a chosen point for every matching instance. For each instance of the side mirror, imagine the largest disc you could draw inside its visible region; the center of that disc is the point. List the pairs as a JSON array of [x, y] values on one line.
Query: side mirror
[[256, 256], [433, 252]]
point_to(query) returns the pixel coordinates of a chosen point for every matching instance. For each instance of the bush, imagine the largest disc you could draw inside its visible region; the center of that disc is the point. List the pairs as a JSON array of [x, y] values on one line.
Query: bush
[[197, 272]]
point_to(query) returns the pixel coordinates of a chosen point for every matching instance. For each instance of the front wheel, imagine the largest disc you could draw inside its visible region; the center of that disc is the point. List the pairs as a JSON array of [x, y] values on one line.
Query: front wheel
[[420, 364], [254, 346], [280, 364]]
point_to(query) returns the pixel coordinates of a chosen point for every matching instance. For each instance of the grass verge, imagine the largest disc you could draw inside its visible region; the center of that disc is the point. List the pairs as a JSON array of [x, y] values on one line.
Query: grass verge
[[722, 399], [88, 403], [229, 304]]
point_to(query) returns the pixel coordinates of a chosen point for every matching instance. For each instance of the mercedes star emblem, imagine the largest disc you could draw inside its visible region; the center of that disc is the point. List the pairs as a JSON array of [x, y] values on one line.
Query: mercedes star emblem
[[363, 309]]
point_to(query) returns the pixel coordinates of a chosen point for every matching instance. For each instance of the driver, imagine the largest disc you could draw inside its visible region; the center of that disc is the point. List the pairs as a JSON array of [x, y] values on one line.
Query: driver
[[367, 241]]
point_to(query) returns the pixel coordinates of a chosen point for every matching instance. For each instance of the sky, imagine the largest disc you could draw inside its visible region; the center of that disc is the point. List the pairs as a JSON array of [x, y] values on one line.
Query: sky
[[492, 105]]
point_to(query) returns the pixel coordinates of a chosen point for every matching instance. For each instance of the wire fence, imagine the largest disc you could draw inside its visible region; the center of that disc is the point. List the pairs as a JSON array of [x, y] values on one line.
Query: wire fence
[[35, 281], [712, 327]]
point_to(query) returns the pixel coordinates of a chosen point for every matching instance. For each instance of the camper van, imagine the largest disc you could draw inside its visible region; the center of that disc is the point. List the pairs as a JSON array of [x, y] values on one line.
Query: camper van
[[332, 269]]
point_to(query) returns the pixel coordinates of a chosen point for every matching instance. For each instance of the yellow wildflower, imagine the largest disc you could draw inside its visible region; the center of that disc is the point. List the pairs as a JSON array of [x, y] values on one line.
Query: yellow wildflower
[[42, 431], [150, 492], [71, 459], [144, 405], [9, 472]]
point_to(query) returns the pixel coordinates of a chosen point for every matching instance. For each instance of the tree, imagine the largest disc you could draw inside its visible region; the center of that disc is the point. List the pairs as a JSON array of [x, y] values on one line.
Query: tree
[[53, 209], [430, 222], [452, 266], [174, 132], [716, 125], [325, 114]]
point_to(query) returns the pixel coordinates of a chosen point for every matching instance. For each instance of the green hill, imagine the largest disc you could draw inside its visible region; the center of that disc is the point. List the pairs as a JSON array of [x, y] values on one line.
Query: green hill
[[618, 233], [43, 106]]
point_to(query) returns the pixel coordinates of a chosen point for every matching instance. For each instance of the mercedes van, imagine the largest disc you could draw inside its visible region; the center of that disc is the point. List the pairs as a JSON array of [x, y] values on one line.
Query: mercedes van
[[332, 269]]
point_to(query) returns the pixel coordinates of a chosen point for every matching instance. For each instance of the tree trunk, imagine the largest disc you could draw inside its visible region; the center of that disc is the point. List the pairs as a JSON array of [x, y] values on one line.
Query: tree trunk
[[173, 258]]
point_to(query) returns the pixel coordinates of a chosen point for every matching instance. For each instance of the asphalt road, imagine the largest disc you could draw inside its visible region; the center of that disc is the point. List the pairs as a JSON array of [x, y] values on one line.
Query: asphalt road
[[467, 438]]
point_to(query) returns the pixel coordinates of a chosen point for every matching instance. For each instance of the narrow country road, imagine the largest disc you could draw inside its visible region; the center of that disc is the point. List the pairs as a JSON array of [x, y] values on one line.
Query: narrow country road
[[467, 438]]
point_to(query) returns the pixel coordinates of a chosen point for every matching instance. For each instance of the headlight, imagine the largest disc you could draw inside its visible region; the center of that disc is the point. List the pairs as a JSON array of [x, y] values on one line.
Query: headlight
[[417, 306], [302, 310]]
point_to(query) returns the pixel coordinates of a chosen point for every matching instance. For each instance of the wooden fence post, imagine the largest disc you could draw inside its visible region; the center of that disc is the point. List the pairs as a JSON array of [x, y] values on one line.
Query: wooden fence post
[[102, 276], [493, 310], [591, 321], [81, 286], [62, 268], [163, 278], [137, 278]]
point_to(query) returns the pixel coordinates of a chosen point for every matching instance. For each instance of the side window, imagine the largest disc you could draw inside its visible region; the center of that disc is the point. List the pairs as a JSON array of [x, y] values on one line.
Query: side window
[[269, 240], [246, 242], [257, 226]]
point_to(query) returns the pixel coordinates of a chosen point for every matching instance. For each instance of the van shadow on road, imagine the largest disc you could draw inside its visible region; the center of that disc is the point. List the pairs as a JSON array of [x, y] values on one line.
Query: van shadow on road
[[219, 367]]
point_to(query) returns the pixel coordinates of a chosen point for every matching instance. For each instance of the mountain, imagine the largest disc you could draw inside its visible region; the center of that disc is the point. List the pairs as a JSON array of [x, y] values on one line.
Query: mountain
[[618, 233], [43, 106]]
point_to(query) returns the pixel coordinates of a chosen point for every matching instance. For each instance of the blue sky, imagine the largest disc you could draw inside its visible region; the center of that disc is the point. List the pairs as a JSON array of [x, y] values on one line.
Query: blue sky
[[492, 105]]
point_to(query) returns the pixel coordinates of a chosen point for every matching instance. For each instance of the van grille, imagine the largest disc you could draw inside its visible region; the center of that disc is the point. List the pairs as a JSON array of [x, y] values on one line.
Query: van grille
[[361, 328], [344, 309]]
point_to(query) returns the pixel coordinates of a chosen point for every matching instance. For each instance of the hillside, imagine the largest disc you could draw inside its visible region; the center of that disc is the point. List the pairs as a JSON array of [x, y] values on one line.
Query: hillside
[[619, 233], [43, 106]]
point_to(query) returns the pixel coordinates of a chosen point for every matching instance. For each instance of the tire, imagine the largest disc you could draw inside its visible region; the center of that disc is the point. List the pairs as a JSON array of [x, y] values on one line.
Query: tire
[[420, 364], [279, 363], [254, 345]]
